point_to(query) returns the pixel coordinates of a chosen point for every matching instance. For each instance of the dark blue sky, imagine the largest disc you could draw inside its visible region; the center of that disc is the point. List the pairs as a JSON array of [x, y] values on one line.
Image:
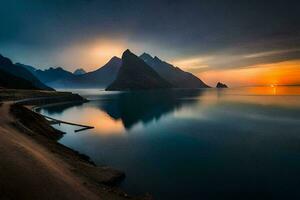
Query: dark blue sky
[[200, 35]]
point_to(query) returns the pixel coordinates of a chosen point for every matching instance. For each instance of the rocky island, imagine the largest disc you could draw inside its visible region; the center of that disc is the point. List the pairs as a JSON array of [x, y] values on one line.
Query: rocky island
[[221, 85]]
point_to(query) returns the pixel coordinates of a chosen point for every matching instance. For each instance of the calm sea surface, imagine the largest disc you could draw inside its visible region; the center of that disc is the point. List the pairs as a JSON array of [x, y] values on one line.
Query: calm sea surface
[[241, 143]]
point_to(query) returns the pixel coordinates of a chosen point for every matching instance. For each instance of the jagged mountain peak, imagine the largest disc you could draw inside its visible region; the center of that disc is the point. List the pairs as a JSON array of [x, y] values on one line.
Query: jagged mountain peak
[[114, 59], [146, 56], [135, 74], [126, 52], [156, 58]]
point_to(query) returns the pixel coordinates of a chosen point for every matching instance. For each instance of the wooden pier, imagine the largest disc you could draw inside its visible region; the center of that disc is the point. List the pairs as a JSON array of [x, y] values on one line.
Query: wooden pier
[[57, 121], [52, 120]]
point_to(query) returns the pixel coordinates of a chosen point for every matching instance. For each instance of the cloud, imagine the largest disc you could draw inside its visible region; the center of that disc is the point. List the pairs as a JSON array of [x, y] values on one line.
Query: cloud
[[196, 35], [271, 53], [231, 59], [192, 63]]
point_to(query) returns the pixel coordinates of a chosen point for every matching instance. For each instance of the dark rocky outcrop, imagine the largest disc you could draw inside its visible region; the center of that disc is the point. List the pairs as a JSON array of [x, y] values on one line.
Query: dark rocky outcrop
[[221, 85], [177, 77], [135, 74]]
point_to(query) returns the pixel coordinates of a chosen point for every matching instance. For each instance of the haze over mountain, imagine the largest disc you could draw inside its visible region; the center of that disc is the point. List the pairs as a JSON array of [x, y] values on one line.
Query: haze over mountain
[[177, 77], [50, 75], [135, 74], [104, 76], [19, 71], [99, 78], [53, 74]]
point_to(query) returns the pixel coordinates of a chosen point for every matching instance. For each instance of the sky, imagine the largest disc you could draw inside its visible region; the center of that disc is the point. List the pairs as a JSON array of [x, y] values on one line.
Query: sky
[[239, 42]]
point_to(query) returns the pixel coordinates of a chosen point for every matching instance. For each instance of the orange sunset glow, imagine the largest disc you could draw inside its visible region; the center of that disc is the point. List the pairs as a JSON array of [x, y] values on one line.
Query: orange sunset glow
[[279, 73], [93, 54], [159, 99], [101, 121]]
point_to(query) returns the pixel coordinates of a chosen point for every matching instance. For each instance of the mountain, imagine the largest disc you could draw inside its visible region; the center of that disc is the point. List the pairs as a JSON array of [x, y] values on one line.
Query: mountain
[[52, 74], [21, 72], [101, 77], [79, 71], [10, 81], [177, 77], [28, 67], [221, 85], [135, 74], [49, 75]]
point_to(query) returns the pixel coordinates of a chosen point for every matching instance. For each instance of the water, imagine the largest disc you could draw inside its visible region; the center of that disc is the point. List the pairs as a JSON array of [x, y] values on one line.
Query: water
[[241, 143]]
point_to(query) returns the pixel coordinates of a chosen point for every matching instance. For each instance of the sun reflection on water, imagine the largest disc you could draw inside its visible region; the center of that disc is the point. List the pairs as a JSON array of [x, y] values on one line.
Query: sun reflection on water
[[102, 122]]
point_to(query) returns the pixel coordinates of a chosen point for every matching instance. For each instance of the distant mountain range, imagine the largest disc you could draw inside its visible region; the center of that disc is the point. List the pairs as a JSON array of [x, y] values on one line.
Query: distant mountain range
[[21, 73], [135, 74], [49, 75], [99, 78], [105, 75], [129, 73], [79, 71]]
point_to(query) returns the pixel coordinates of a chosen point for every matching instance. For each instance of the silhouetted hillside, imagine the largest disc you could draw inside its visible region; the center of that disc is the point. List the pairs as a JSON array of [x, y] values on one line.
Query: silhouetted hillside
[[21, 72], [9, 81], [135, 74]]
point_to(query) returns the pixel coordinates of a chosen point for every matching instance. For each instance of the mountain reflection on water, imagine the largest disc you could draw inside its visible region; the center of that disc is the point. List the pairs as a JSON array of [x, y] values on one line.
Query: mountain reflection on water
[[239, 143], [134, 107]]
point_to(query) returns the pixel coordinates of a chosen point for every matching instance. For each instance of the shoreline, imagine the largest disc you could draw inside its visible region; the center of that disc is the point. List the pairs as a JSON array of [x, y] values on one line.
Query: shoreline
[[99, 182]]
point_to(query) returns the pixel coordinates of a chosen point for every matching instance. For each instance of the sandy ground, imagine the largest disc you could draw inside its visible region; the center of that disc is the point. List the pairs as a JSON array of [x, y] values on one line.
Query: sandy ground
[[28, 170]]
